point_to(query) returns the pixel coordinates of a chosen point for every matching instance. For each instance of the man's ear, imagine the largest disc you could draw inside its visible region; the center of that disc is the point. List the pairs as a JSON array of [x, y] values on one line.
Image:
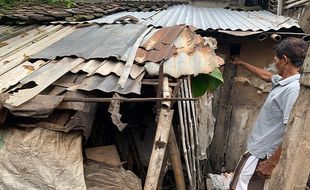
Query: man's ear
[[285, 59]]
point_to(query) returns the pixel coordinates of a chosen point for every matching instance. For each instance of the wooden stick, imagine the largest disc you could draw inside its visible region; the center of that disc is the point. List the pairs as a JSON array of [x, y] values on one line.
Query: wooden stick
[[160, 141], [176, 161]]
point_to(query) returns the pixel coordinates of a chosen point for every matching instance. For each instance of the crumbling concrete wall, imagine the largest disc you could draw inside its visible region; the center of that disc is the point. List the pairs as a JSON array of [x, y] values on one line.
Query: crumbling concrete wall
[[247, 96], [241, 98]]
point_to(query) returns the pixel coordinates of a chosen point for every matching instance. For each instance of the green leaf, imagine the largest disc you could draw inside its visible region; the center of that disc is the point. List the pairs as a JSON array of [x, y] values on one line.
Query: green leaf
[[203, 82]]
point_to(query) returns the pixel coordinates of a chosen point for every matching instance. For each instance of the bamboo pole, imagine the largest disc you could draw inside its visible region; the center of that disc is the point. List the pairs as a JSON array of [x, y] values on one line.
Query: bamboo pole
[[280, 7], [193, 111], [186, 131], [191, 134], [184, 146], [160, 141], [176, 161]]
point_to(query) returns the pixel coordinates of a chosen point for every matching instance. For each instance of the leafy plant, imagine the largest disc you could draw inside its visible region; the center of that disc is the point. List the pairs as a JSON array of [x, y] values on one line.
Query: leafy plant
[[203, 82]]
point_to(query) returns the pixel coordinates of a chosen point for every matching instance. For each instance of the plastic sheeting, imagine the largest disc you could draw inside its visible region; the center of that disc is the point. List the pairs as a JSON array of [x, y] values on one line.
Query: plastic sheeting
[[40, 159], [206, 124]]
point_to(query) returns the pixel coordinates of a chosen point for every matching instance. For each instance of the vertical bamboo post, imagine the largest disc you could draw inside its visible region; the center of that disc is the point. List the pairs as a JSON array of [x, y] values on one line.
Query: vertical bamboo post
[[280, 7], [160, 141], [185, 150], [176, 161]]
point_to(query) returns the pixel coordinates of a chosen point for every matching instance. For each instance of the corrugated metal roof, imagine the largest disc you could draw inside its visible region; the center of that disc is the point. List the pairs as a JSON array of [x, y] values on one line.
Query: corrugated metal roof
[[124, 17], [220, 18], [100, 75], [109, 84], [96, 42]]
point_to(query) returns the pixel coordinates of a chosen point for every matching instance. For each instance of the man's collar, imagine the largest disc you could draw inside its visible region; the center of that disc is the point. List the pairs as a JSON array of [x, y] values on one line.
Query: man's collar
[[289, 80]]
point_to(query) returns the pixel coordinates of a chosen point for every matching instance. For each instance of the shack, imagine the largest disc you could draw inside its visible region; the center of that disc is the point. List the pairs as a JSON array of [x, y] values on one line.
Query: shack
[[99, 87]]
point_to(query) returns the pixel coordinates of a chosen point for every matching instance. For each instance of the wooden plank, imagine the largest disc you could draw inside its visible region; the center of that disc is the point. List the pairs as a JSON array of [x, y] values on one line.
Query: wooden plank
[[304, 21], [159, 147], [293, 169], [176, 161], [20, 56], [22, 43], [13, 76], [218, 146], [46, 79], [105, 154]]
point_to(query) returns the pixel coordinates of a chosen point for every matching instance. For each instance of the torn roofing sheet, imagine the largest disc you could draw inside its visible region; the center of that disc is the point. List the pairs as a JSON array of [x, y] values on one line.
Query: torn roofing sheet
[[95, 42], [18, 49], [45, 80], [15, 75], [41, 106], [89, 75], [182, 51]]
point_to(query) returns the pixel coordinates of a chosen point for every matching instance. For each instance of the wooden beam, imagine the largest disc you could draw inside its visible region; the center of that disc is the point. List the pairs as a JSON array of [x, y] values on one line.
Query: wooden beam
[[159, 147], [160, 141], [176, 161], [304, 21]]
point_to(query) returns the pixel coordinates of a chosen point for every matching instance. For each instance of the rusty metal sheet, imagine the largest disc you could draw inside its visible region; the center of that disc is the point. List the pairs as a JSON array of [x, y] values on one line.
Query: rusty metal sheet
[[159, 46], [95, 42], [109, 84], [189, 53], [43, 81]]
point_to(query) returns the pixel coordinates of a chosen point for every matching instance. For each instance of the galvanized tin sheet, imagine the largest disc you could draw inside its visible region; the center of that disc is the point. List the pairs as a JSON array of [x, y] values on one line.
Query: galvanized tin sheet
[[95, 42], [124, 17], [109, 84], [219, 18]]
